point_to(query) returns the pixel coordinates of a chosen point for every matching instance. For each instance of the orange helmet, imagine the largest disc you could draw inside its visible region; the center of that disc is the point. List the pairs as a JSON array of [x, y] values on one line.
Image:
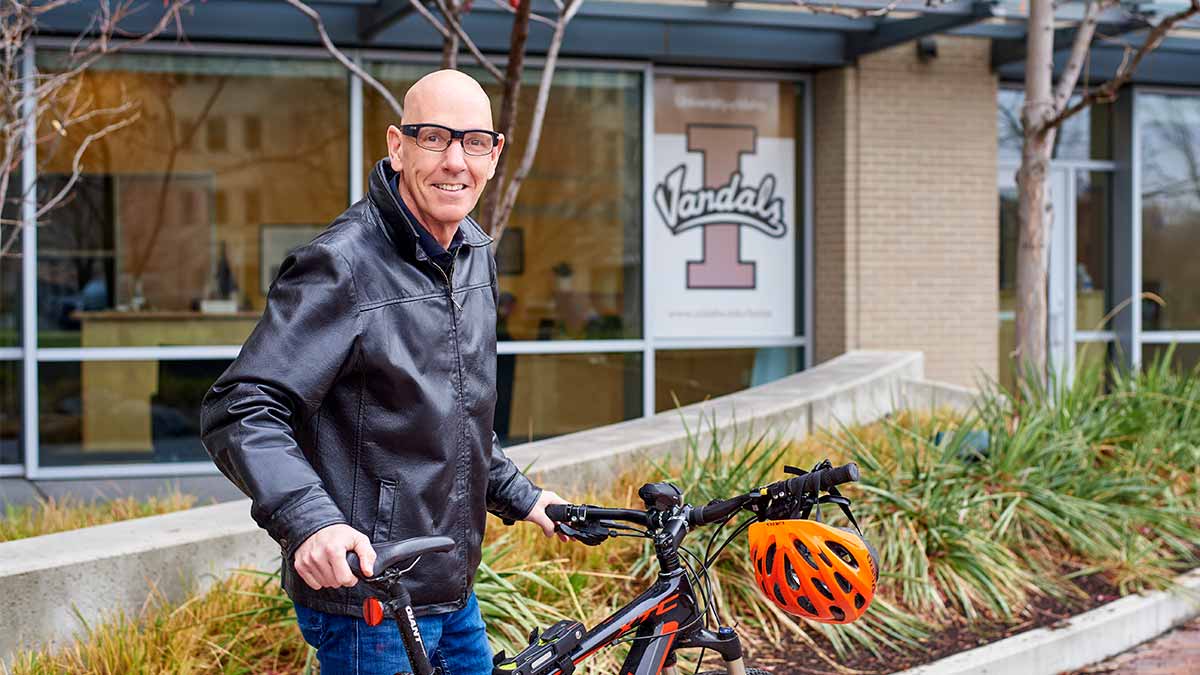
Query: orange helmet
[[810, 569]]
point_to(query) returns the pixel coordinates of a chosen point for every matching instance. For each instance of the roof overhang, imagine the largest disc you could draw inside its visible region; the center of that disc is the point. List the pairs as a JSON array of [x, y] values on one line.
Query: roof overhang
[[766, 34]]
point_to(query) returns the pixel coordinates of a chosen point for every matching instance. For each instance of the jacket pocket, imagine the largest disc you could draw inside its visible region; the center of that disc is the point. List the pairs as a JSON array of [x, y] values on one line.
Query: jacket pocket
[[383, 517]]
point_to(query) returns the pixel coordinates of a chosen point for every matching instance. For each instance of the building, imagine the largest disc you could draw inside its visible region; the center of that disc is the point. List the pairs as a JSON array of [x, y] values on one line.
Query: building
[[725, 193]]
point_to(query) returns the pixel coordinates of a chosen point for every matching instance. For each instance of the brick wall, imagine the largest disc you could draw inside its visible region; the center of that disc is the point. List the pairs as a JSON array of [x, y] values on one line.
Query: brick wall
[[905, 232]]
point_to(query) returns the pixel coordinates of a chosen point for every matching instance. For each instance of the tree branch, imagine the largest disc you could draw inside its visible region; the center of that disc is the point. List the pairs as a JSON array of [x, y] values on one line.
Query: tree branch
[[456, 26], [77, 160], [424, 11], [1108, 91], [1079, 53], [532, 15], [539, 115], [342, 59]]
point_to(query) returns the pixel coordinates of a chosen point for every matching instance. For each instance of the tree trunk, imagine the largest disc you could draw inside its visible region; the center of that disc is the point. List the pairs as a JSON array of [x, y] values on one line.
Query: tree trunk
[[1034, 214], [508, 112]]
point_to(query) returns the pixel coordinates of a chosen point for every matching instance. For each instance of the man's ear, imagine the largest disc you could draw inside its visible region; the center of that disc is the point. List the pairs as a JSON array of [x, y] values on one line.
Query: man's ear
[[496, 156], [395, 146]]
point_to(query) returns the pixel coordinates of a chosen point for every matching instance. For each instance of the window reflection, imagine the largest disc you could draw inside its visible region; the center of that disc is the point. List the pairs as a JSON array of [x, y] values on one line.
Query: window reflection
[[1170, 134], [170, 235], [1086, 135], [1009, 232], [1184, 358], [10, 412], [10, 264], [1093, 251], [106, 412], [570, 260], [686, 376], [545, 395]]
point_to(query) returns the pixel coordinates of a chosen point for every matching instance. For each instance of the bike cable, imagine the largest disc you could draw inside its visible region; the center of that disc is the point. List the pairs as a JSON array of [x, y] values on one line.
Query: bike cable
[[741, 528]]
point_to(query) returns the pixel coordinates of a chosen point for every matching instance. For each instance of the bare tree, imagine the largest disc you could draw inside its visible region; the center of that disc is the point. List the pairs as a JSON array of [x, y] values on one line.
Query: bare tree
[[1047, 106], [500, 200], [57, 102]]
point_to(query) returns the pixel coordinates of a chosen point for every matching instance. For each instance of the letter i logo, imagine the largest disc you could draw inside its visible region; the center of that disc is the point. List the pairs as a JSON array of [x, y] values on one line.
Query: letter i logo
[[720, 265]]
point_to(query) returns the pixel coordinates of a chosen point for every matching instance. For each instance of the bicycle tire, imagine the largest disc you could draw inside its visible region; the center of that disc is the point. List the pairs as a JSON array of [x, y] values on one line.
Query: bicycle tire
[[749, 671]]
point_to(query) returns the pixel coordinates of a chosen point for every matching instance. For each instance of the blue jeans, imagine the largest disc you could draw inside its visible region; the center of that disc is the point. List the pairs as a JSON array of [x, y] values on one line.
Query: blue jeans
[[346, 645]]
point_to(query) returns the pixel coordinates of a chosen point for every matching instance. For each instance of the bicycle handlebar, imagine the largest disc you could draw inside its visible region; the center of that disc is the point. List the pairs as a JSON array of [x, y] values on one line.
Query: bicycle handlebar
[[718, 510], [566, 513]]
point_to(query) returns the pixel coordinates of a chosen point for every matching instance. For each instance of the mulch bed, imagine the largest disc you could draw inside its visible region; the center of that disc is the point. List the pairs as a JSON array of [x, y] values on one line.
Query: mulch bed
[[1044, 611]]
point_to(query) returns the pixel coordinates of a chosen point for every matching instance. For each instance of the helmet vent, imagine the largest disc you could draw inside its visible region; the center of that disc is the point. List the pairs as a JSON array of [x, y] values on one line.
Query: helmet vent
[[823, 588], [770, 558], [843, 553], [806, 604], [779, 595], [859, 601], [837, 613], [793, 581], [843, 582], [825, 559], [804, 553]]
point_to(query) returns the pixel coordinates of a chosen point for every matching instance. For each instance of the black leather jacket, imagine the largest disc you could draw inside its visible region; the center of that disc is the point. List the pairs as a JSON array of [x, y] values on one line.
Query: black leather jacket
[[365, 396]]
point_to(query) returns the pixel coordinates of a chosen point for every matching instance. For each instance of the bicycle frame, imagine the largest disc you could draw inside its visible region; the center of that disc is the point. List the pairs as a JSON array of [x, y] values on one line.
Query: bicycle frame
[[665, 617]]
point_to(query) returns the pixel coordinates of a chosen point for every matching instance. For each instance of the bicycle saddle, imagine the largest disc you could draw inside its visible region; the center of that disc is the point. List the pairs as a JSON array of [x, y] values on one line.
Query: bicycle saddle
[[395, 553]]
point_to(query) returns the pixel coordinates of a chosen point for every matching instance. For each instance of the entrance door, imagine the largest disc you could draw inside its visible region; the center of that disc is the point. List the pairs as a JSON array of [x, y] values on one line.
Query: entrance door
[[1060, 255], [1060, 305]]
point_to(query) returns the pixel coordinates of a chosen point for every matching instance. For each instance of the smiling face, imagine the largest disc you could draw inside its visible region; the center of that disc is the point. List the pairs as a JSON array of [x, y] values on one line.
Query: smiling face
[[441, 188]]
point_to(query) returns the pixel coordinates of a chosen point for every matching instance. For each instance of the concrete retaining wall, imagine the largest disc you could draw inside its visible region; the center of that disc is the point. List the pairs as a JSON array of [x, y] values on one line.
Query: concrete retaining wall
[[99, 570], [1084, 639]]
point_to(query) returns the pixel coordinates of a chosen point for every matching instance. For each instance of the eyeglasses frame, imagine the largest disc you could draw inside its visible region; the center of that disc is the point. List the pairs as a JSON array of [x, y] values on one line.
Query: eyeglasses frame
[[414, 130]]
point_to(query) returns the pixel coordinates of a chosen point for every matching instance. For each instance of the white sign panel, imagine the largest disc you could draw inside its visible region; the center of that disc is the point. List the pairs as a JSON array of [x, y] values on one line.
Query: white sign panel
[[723, 228]]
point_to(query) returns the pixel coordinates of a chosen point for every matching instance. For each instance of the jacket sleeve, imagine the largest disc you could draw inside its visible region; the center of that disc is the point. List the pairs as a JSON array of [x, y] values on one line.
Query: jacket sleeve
[[249, 417], [510, 495]]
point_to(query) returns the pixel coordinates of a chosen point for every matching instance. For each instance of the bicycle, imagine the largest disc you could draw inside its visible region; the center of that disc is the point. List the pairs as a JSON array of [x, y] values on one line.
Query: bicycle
[[668, 615]]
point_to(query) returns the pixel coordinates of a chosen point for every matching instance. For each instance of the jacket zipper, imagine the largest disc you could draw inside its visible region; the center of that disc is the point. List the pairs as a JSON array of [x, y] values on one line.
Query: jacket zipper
[[450, 279], [454, 319]]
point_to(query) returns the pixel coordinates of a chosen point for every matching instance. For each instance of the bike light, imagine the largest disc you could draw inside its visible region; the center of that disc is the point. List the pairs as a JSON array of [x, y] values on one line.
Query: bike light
[[372, 611]]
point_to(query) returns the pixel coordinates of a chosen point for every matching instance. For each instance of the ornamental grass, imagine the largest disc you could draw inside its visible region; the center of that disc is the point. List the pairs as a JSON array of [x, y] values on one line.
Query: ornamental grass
[[1099, 476], [50, 515]]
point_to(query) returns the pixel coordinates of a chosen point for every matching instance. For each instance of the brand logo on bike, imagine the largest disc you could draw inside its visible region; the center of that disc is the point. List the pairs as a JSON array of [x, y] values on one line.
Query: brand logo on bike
[[725, 203], [412, 622]]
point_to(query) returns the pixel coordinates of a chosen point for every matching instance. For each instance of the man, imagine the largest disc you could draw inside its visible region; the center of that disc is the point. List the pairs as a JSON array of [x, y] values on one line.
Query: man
[[360, 410]]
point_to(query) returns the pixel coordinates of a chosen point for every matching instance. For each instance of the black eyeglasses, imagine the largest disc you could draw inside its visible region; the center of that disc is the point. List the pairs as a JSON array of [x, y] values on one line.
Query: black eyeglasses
[[437, 138]]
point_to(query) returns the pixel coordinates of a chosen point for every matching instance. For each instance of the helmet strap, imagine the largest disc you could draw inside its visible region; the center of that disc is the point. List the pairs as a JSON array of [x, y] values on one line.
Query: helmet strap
[[834, 497]]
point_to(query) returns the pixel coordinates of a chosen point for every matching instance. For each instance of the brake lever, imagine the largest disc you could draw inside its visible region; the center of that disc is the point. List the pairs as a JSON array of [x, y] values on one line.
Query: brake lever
[[590, 534]]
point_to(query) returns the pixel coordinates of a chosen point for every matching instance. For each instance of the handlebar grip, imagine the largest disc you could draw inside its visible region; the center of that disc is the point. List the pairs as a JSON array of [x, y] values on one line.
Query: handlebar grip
[[558, 512], [825, 479]]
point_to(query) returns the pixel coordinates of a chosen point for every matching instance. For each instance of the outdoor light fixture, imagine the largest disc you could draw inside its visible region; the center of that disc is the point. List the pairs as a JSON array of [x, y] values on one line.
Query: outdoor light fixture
[[927, 49]]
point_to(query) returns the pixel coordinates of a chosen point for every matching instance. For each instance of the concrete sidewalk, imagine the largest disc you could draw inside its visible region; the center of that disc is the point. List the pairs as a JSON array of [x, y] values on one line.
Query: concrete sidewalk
[[1175, 653]]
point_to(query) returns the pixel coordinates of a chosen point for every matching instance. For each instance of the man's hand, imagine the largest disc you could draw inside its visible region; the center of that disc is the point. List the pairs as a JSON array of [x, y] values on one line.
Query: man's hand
[[321, 559], [537, 515]]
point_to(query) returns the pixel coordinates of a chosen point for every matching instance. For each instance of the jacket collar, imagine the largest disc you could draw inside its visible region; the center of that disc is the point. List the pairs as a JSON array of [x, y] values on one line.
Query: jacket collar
[[400, 229]]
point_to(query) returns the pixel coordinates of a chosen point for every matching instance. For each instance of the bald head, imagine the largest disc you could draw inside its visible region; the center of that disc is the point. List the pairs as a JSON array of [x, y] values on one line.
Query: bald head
[[446, 94], [442, 182]]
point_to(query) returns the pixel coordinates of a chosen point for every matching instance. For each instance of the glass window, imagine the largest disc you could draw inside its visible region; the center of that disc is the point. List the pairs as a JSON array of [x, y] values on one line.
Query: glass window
[[10, 412], [10, 265], [1170, 135], [1184, 359], [544, 395], [570, 258], [1093, 250], [110, 412], [687, 376], [142, 253], [1008, 277], [1087, 135]]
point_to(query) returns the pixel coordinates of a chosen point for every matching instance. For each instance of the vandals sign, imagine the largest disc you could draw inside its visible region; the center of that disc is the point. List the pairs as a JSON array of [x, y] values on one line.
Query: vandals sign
[[724, 225]]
